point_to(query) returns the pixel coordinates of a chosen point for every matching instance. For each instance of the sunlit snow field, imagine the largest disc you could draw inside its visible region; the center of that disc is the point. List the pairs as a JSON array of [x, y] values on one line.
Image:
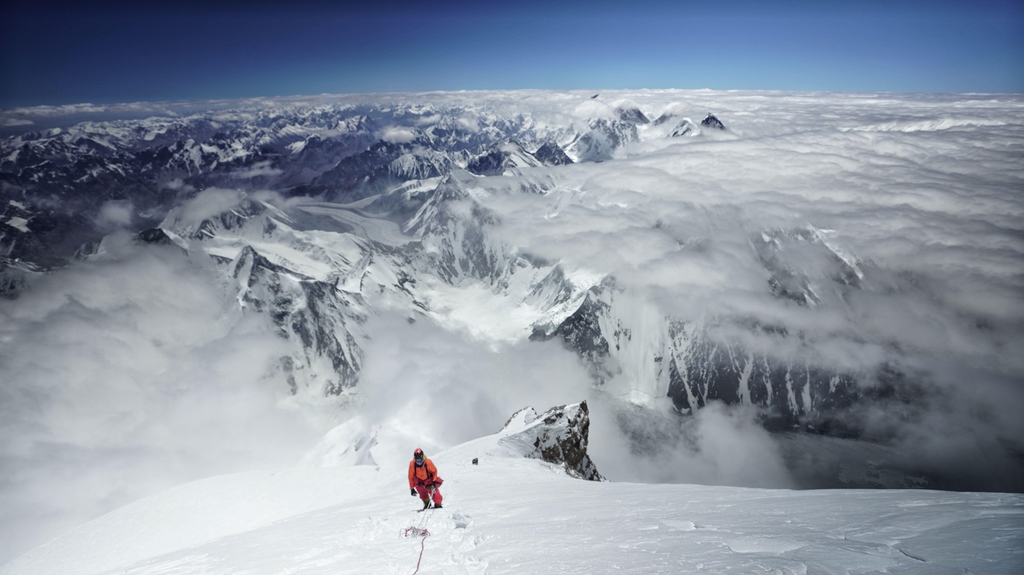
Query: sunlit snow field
[[524, 516]]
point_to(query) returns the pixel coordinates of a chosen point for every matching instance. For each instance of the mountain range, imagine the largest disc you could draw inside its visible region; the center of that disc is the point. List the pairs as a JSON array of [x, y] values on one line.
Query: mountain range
[[323, 216]]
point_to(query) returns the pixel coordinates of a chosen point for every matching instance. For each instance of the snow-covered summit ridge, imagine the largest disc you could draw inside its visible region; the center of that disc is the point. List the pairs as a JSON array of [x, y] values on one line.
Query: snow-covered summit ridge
[[515, 515], [559, 436]]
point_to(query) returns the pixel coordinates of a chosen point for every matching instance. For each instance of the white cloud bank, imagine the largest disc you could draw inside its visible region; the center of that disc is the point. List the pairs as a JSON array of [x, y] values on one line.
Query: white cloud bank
[[124, 376], [920, 195]]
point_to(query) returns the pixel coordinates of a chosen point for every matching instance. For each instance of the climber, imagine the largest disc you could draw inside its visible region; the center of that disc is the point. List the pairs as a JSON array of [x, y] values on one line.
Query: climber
[[423, 479]]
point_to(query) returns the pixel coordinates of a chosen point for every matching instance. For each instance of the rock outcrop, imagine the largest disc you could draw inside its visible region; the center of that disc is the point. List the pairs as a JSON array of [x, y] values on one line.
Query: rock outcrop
[[559, 436]]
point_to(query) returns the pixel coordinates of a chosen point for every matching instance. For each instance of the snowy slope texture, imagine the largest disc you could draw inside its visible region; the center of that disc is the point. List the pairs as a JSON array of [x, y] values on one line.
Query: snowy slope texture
[[518, 515]]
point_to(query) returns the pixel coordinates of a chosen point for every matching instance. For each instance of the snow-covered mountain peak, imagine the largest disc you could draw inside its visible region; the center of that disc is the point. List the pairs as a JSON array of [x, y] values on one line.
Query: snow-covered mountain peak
[[217, 212], [505, 157], [710, 121], [686, 127], [629, 111]]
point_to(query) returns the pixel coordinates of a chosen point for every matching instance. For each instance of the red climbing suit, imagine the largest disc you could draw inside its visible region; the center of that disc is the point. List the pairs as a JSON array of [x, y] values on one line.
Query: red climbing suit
[[424, 479]]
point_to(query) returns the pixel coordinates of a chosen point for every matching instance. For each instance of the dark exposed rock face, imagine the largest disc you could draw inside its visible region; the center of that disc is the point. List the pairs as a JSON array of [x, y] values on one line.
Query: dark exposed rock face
[[497, 161], [489, 164], [552, 155], [559, 435], [581, 331], [313, 312], [696, 363], [705, 368], [710, 121], [154, 236]]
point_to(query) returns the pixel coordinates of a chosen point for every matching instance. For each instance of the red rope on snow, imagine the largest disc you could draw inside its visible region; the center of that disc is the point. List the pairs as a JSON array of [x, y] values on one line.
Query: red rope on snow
[[417, 532]]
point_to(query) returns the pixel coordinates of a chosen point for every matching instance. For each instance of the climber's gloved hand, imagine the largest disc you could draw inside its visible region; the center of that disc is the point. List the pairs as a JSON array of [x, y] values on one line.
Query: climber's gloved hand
[[412, 492]]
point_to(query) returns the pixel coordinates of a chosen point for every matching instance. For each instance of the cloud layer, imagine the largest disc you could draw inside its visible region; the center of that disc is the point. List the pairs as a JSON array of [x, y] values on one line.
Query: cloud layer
[[125, 375], [919, 197]]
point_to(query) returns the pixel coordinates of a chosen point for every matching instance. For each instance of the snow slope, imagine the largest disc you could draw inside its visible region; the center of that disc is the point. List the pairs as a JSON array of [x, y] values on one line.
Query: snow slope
[[514, 515]]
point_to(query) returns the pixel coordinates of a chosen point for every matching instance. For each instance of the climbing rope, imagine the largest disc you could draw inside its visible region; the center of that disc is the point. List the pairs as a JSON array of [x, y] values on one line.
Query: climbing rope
[[415, 532], [420, 531]]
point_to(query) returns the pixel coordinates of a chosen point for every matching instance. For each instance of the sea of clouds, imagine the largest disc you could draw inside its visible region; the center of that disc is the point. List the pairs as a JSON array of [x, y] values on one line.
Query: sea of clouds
[[921, 195], [135, 371]]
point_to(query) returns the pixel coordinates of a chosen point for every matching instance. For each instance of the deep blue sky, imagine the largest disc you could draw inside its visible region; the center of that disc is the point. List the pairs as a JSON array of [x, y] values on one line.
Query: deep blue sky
[[104, 52]]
